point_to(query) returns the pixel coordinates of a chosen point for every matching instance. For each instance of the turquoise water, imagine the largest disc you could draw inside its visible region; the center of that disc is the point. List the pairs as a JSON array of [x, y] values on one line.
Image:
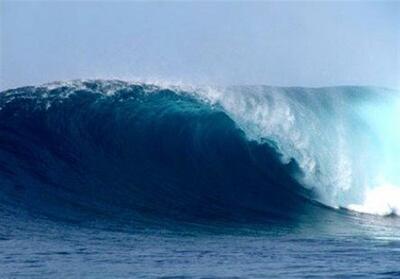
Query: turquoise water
[[112, 179]]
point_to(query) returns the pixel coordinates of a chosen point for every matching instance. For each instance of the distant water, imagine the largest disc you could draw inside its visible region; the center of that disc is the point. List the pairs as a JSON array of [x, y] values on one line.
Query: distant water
[[110, 179]]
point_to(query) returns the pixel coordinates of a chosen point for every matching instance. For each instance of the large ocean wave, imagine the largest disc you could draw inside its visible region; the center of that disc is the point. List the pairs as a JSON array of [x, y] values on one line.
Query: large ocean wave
[[72, 149]]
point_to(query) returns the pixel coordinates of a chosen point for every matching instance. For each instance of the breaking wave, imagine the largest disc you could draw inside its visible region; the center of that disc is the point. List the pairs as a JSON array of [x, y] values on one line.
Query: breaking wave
[[71, 149]]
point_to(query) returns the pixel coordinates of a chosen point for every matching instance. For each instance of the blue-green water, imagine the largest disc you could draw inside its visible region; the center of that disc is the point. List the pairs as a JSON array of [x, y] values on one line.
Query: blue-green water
[[110, 179]]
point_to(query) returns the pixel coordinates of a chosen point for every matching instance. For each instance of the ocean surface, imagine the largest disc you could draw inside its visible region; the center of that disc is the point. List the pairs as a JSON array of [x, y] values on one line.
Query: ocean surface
[[115, 179]]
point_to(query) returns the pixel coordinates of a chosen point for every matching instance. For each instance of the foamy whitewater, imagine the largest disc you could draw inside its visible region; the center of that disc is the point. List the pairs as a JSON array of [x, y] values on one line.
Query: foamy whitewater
[[345, 139], [116, 179]]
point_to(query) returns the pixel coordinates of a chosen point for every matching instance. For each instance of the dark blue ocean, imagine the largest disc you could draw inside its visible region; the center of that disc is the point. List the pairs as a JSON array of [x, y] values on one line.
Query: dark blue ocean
[[114, 179]]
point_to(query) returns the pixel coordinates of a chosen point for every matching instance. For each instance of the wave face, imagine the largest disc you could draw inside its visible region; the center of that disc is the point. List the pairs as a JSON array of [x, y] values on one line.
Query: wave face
[[72, 149]]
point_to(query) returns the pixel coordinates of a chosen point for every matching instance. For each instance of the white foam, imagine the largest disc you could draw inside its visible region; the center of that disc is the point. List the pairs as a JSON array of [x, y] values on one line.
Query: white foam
[[343, 139], [383, 200]]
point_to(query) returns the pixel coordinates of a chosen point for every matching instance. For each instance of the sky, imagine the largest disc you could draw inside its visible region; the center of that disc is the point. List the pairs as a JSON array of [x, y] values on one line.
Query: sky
[[273, 43]]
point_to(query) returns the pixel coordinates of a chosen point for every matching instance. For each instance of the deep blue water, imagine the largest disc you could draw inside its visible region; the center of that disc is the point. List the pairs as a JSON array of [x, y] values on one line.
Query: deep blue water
[[108, 179], [334, 246]]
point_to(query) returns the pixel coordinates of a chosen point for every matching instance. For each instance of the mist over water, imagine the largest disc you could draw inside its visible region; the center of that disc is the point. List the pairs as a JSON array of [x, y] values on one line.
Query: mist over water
[[345, 139]]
